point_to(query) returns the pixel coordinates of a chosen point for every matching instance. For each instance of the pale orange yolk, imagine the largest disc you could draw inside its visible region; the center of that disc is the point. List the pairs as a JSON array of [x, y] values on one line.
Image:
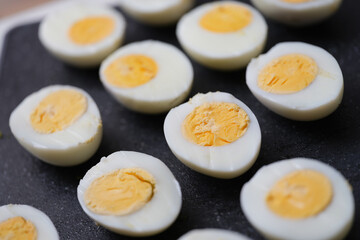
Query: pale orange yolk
[[215, 124], [300, 194], [296, 1], [120, 192], [225, 19], [131, 71], [57, 111], [17, 228], [288, 74], [91, 30]]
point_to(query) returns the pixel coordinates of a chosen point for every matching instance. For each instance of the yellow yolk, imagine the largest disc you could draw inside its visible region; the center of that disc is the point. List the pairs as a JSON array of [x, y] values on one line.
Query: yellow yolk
[[91, 30], [131, 71], [17, 228], [215, 124], [295, 1], [300, 194], [288, 74], [225, 19], [58, 110], [120, 192]]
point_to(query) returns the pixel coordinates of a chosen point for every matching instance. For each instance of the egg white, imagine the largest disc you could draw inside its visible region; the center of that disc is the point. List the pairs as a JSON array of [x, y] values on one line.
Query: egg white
[[168, 88], [53, 34], [157, 215], [318, 100], [212, 234], [156, 12], [297, 14], [226, 161], [44, 227], [70, 146], [223, 51], [333, 222]]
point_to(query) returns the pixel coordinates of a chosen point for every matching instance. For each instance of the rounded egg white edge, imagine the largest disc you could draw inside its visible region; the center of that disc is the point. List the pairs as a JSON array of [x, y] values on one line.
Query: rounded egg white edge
[[253, 194], [212, 234], [141, 222], [203, 159]]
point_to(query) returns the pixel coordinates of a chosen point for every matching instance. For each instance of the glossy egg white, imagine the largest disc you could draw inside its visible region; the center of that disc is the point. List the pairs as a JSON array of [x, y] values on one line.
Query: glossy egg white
[[212, 234], [167, 89], [333, 222], [317, 100], [223, 51], [54, 28], [70, 146], [297, 14], [157, 215], [44, 227], [226, 161], [156, 12]]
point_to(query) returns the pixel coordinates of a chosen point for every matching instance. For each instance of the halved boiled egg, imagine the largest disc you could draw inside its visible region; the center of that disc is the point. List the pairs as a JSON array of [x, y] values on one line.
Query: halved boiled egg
[[156, 12], [130, 193], [82, 34], [297, 12], [58, 124], [296, 80], [25, 222], [212, 234], [148, 76], [223, 35], [299, 199], [214, 134]]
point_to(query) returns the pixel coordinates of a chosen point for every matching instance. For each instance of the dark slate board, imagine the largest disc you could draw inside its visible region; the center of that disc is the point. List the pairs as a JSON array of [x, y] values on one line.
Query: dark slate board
[[207, 202]]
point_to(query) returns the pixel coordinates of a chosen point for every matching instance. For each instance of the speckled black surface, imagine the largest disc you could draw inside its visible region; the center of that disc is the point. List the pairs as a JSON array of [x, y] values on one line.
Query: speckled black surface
[[207, 202]]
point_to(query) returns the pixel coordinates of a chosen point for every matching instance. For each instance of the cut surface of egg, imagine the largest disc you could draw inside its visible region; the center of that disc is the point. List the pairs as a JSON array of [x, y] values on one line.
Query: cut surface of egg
[[296, 80], [214, 134], [26, 223], [148, 76], [297, 12], [58, 124], [212, 234], [298, 199], [222, 35], [82, 34], [156, 12], [130, 193]]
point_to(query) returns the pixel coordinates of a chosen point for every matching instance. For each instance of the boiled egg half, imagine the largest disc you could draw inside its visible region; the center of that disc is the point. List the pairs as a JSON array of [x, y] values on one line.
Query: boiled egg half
[[58, 124], [212, 234], [214, 134]]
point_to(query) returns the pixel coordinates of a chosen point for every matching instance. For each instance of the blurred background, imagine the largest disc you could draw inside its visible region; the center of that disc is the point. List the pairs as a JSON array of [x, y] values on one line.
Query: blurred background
[[14, 6]]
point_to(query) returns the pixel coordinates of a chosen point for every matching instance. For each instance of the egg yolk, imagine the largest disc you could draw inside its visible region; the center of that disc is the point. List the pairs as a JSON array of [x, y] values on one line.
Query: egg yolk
[[17, 228], [120, 192], [57, 111], [300, 194], [226, 18], [295, 1], [91, 30], [215, 124], [288, 74], [131, 71]]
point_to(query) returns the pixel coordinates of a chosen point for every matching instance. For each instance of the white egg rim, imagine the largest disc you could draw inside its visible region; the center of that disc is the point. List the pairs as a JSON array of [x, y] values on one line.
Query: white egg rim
[[310, 5], [37, 217], [149, 7], [321, 80], [81, 50], [20, 122], [274, 226], [186, 21], [151, 91], [201, 158], [216, 232], [130, 224]]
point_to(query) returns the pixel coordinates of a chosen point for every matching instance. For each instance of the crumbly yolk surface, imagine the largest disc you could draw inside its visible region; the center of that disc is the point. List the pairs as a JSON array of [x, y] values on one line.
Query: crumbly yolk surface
[[227, 18], [288, 74], [296, 1], [300, 194], [17, 228], [121, 192], [91, 30], [215, 124], [131, 71], [57, 111]]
